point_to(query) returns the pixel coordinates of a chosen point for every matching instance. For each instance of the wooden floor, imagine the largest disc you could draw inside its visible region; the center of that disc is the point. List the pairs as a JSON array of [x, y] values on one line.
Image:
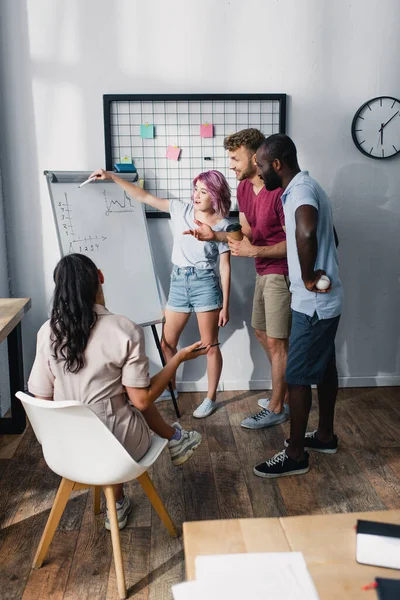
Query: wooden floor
[[216, 483]]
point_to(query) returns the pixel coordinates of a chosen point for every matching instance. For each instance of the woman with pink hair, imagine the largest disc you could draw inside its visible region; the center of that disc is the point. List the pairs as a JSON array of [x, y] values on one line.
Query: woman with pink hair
[[195, 285]]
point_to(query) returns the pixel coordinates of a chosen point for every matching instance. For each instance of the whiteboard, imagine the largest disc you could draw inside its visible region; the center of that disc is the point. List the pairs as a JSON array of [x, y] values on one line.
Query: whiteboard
[[101, 221]]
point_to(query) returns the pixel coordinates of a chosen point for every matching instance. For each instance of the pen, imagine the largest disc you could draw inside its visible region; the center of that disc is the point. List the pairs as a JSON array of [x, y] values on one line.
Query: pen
[[203, 347], [87, 181], [370, 586]]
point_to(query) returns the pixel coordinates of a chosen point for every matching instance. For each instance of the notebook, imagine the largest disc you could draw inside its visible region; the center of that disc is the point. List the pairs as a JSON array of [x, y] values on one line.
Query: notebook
[[378, 544], [388, 589]]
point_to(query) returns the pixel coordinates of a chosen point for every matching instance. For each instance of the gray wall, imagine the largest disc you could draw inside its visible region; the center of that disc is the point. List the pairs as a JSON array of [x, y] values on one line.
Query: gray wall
[[4, 293], [58, 58]]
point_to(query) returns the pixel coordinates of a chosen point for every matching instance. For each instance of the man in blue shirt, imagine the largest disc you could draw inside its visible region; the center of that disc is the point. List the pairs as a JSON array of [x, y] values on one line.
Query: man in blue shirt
[[311, 252]]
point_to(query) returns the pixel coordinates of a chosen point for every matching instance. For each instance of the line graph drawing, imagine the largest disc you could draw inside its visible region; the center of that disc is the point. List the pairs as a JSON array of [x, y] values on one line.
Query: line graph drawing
[[86, 244], [78, 243], [125, 206]]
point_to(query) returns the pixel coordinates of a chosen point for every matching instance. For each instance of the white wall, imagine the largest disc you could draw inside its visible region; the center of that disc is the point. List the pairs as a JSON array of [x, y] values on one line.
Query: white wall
[[58, 58]]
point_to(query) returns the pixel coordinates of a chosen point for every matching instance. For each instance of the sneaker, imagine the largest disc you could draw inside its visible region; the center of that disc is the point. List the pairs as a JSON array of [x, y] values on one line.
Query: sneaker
[[281, 465], [123, 510], [206, 408], [181, 450], [166, 395], [264, 403], [264, 418], [311, 442]]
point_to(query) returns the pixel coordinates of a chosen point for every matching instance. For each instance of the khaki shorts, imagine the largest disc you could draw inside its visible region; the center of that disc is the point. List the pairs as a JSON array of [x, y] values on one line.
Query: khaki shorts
[[271, 306]]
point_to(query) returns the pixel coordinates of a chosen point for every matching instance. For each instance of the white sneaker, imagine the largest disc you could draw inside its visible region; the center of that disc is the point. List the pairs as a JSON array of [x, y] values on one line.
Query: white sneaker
[[181, 450], [264, 403], [123, 511], [206, 408], [166, 395]]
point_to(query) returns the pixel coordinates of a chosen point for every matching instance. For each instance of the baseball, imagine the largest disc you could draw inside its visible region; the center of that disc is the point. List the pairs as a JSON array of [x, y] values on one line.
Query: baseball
[[323, 283]]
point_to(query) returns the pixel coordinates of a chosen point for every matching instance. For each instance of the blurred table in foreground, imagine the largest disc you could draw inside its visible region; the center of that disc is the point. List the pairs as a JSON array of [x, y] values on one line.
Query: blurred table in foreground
[[12, 311], [328, 543]]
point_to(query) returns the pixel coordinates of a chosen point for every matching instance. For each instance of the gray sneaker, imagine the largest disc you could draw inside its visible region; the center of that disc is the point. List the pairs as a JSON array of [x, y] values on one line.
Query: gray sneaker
[[264, 403], [123, 511], [265, 418], [181, 450]]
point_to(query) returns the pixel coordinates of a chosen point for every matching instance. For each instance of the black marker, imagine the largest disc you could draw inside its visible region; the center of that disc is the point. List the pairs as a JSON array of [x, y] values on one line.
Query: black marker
[[204, 347]]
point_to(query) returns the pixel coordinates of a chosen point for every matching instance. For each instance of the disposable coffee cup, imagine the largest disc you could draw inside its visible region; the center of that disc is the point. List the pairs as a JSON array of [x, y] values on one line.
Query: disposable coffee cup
[[234, 232]]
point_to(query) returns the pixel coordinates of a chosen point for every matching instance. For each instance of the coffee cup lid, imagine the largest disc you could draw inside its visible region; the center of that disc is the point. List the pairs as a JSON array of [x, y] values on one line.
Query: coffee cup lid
[[234, 227]]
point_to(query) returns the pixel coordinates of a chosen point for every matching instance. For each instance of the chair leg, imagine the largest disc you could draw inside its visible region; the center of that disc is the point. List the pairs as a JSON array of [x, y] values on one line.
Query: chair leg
[[116, 541], [63, 493], [96, 499], [157, 503]]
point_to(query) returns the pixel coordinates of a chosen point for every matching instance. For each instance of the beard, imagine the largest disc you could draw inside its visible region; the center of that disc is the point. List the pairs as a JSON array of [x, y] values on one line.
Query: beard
[[272, 180], [248, 172]]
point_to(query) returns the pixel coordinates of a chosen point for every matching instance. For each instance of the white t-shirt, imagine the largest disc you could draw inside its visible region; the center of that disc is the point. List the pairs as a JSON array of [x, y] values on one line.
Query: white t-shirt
[[187, 251]]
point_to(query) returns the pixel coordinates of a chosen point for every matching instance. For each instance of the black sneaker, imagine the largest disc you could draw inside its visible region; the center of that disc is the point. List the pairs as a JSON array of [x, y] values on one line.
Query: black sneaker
[[311, 442], [281, 465]]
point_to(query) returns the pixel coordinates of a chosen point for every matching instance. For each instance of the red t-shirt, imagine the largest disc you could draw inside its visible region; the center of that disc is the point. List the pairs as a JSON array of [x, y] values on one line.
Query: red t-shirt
[[264, 213]]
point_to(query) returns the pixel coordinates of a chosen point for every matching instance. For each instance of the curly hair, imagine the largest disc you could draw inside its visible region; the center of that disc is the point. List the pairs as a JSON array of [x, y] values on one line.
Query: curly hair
[[251, 139], [219, 190], [72, 315]]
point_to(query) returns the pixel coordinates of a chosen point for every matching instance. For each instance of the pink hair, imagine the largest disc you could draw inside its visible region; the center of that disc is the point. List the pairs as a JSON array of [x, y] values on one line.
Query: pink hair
[[219, 190]]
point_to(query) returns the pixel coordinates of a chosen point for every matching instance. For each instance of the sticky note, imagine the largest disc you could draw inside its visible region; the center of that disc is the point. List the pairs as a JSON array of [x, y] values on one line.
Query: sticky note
[[207, 130], [173, 152], [147, 131], [126, 160]]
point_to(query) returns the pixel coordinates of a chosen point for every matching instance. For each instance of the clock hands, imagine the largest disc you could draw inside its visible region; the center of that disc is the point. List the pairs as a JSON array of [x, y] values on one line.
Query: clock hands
[[392, 117], [383, 125]]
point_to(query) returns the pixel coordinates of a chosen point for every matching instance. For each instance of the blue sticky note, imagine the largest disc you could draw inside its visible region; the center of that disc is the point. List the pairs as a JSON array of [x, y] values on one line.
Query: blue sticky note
[[147, 131]]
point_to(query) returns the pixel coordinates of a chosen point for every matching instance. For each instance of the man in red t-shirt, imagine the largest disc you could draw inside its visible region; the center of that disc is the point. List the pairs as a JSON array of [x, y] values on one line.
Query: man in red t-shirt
[[262, 220]]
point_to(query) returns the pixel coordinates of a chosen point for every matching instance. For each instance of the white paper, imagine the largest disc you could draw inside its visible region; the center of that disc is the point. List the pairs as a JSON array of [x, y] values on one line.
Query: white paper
[[283, 574], [262, 590]]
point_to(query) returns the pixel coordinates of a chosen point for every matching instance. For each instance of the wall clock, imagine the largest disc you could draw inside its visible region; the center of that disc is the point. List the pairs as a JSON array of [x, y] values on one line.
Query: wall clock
[[376, 127]]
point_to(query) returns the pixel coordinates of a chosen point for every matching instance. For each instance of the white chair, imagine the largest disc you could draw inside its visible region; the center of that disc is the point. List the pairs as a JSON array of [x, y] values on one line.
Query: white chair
[[78, 446]]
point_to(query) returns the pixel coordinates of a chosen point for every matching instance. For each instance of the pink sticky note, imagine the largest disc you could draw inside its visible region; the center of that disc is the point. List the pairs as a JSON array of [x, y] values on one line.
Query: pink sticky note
[[173, 152], [207, 130]]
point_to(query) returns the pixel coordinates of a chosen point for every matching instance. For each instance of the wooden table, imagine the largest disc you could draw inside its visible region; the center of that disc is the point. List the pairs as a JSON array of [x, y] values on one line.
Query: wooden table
[[12, 311], [328, 543]]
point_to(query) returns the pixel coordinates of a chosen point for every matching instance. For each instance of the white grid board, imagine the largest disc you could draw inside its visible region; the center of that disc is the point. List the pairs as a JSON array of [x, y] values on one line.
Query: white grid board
[[177, 123]]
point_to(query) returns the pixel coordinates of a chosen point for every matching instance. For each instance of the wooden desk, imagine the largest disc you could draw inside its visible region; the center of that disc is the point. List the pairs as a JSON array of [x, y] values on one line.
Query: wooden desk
[[12, 311], [328, 543]]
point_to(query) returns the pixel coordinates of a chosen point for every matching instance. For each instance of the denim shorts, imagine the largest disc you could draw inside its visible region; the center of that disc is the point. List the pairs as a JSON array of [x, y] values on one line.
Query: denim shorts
[[311, 358], [194, 290]]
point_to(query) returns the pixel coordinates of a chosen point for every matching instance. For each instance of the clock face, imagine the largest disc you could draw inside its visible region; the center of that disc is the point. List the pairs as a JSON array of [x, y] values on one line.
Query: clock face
[[376, 127]]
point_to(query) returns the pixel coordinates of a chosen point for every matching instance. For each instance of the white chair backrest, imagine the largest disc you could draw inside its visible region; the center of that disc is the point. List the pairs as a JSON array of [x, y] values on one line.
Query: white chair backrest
[[76, 443]]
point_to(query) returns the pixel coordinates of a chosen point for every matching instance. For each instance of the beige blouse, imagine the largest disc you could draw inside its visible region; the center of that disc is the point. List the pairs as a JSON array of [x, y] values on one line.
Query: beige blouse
[[114, 358]]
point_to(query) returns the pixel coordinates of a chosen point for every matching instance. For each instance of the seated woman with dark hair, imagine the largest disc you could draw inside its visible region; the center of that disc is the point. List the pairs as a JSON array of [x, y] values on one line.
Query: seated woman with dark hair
[[88, 354]]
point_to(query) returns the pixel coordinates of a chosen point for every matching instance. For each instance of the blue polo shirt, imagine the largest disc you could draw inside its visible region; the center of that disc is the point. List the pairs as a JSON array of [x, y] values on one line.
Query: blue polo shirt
[[305, 190]]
